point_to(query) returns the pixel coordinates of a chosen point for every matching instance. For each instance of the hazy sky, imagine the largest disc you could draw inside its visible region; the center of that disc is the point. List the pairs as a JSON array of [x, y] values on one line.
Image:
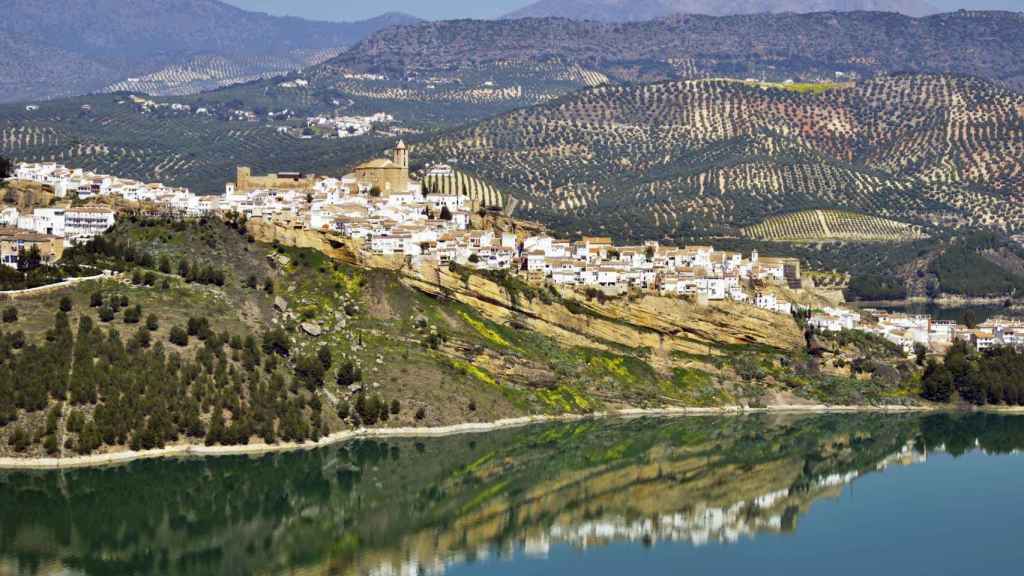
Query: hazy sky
[[442, 9]]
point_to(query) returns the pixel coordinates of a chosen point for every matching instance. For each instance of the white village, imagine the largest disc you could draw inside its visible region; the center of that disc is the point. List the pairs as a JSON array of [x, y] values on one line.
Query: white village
[[381, 211]]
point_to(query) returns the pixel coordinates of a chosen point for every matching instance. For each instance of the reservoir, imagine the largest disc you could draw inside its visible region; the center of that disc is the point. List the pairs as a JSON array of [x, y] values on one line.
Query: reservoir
[[765, 494]]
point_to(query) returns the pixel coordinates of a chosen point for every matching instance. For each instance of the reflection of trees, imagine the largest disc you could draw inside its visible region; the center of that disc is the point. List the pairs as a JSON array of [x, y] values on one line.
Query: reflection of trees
[[368, 503]]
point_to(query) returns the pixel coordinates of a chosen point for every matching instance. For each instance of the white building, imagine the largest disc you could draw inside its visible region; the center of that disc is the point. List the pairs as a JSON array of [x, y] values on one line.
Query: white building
[[87, 222]]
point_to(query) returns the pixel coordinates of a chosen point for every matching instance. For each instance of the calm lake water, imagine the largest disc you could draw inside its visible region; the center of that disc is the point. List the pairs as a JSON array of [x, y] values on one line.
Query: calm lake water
[[767, 494]]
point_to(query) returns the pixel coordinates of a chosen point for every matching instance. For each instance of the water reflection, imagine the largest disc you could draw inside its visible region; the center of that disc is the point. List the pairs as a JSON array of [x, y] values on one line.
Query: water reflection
[[410, 507]]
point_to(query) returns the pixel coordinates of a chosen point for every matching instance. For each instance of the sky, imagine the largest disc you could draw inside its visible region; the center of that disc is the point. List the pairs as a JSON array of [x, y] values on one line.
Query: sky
[[348, 10]]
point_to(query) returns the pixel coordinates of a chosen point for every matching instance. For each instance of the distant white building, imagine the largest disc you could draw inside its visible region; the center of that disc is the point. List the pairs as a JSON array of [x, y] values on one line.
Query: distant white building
[[769, 301], [87, 222]]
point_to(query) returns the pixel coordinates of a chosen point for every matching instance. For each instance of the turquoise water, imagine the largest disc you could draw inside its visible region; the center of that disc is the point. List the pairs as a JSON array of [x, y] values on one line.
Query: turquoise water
[[815, 494]]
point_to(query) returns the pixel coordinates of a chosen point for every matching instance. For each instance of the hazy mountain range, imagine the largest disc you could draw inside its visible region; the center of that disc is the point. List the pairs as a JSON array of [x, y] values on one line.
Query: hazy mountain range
[[62, 47], [811, 47], [638, 10]]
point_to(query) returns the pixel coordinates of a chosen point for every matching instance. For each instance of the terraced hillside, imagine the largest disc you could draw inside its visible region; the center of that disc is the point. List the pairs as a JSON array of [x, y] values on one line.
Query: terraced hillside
[[523, 62], [208, 72], [192, 150], [707, 156], [467, 185], [831, 225]]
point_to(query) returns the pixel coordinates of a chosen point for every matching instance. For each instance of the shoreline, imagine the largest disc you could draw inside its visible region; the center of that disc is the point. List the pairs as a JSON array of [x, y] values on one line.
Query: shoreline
[[200, 450]]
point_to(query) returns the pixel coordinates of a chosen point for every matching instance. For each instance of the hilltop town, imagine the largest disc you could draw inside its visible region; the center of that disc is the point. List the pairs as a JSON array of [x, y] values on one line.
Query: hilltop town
[[394, 220]]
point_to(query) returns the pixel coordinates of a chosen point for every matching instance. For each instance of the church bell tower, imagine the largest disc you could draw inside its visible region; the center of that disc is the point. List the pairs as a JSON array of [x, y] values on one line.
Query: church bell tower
[[401, 155]]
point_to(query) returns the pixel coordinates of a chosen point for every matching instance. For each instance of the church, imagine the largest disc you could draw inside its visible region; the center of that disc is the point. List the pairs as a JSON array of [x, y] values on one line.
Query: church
[[385, 177]]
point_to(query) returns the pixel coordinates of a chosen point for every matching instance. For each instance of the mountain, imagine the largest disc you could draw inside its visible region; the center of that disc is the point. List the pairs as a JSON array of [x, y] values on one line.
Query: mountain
[[507, 64], [638, 10], [707, 156], [66, 47]]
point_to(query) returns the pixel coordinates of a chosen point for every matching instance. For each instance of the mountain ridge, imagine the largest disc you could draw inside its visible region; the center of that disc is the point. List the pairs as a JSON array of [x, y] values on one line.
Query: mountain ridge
[[817, 46], [97, 43], [639, 10]]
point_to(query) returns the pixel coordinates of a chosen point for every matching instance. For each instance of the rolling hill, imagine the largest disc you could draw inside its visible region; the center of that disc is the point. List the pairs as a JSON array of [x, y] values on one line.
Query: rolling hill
[[707, 156], [512, 63], [58, 48], [638, 10]]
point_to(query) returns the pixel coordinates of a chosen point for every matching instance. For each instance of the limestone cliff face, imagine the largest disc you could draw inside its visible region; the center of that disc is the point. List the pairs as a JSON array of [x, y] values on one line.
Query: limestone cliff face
[[664, 325], [336, 247], [661, 324]]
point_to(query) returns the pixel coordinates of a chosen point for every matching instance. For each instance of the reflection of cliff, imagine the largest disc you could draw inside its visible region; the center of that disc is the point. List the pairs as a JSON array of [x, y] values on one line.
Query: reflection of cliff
[[731, 483], [376, 507]]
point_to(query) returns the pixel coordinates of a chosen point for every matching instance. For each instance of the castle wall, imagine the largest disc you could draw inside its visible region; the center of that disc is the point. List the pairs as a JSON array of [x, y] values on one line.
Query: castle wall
[[245, 181]]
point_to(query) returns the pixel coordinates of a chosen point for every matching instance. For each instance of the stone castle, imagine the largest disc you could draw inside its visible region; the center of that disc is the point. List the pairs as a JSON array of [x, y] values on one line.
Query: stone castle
[[382, 176]]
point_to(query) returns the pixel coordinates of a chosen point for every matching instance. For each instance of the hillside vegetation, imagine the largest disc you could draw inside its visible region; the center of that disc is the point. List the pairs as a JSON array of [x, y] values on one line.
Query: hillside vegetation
[[243, 341], [830, 225], [534, 53], [705, 156], [56, 48], [181, 149]]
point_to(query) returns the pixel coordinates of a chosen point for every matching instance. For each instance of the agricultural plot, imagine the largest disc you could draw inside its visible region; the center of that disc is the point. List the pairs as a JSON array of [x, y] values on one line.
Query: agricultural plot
[[831, 225], [711, 157], [210, 72], [467, 185], [197, 151]]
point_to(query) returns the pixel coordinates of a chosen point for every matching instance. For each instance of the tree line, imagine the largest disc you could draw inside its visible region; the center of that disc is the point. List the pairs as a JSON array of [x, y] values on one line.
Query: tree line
[[995, 376], [121, 252], [101, 387]]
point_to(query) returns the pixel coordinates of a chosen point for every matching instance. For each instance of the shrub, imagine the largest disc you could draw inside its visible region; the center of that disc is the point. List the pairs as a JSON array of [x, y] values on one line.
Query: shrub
[[10, 315], [19, 439], [96, 299], [65, 304], [178, 336], [142, 338], [396, 406], [348, 374], [421, 413], [276, 342], [325, 356], [133, 315], [309, 370], [199, 327], [76, 421], [152, 322], [106, 314]]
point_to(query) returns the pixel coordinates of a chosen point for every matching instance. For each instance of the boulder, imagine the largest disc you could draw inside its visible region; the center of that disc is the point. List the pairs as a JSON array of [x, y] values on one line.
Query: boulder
[[312, 329], [281, 304]]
